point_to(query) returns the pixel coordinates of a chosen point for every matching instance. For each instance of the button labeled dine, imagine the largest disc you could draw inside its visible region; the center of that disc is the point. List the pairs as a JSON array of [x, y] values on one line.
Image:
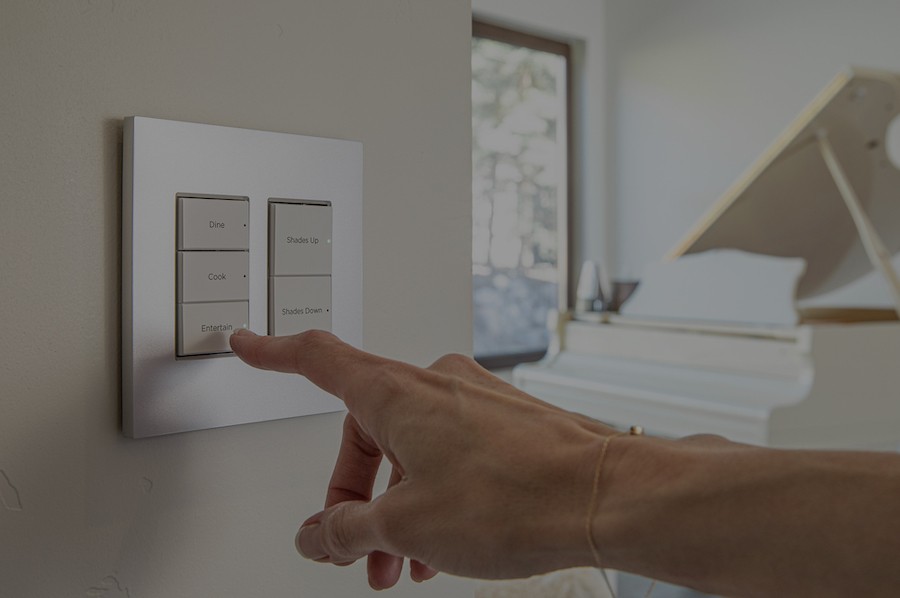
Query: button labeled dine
[[207, 223]]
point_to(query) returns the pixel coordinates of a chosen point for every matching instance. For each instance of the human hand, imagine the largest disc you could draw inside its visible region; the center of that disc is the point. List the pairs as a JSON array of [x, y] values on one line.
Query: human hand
[[487, 481]]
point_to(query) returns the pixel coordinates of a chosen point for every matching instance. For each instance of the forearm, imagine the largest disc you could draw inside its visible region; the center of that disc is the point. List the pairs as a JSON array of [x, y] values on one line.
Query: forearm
[[747, 521], [491, 482]]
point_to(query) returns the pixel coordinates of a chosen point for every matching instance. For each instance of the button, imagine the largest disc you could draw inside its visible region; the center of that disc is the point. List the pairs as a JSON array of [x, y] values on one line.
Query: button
[[213, 276], [204, 328], [299, 303], [205, 223], [299, 239]]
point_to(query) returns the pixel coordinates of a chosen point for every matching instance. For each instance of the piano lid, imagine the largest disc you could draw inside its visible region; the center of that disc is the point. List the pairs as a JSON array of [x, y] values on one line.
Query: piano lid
[[787, 204]]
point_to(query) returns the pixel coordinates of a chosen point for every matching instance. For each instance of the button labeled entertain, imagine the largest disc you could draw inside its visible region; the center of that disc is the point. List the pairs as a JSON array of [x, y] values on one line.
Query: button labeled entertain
[[299, 303], [299, 239], [204, 328], [213, 276], [208, 223]]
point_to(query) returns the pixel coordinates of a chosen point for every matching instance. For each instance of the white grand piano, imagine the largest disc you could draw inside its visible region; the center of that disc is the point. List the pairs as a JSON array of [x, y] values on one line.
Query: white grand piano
[[828, 375]]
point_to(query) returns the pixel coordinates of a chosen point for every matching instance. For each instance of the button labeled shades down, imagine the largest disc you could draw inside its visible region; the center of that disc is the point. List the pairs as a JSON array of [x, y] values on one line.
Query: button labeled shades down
[[299, 303]]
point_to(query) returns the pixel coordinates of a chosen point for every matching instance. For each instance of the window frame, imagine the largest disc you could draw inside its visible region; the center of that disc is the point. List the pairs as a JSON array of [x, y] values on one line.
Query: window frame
[[543, 43]]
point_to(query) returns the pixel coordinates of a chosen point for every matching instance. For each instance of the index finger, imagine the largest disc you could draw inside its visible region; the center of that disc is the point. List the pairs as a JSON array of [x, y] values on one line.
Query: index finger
[[331, 364]]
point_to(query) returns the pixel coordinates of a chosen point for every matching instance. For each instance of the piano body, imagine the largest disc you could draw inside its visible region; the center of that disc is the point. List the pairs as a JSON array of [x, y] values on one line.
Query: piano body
[[826, 192]]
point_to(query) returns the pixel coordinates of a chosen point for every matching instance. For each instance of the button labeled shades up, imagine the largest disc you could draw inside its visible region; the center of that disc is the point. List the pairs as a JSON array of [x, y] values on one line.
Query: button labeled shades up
[[299, 239], [299, 266]]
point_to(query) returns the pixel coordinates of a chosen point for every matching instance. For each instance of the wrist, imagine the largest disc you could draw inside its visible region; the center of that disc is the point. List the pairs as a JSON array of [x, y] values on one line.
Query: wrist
[[574, 476], [639, 477], [656, 496]]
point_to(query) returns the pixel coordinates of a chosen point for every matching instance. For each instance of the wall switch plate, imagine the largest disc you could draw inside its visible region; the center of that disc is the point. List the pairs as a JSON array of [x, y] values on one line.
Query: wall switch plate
[[167, 161]]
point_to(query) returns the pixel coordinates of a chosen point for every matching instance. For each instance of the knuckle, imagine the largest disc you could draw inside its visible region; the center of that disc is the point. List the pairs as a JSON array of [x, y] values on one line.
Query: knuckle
[[454, 362], [337, 539], [705, 439], [351, 426], [389, 381], [305, 343], [315, 337], [393, 525]]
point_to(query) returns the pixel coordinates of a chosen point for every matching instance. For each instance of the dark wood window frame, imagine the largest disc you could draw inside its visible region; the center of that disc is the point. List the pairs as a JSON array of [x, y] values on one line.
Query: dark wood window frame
[[487, 30]]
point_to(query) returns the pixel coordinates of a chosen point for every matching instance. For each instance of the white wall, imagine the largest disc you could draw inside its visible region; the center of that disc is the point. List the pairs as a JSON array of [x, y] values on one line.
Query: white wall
[[209, 513], [579, 22], [704, 86]]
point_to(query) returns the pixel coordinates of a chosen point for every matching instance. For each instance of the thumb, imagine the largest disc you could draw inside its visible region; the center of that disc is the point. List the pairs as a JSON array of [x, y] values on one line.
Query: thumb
[[340, 534]]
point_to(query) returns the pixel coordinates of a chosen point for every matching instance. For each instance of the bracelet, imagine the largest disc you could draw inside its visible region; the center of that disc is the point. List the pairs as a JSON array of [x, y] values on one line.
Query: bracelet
[[592, 507]]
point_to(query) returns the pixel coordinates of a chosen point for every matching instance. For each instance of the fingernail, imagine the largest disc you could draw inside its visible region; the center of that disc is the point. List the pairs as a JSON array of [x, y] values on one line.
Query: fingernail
[[307, 543], [244, 332]]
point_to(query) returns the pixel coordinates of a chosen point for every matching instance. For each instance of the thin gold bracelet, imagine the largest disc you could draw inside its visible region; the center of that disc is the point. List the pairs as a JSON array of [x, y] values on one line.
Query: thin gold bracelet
[[594, 504]]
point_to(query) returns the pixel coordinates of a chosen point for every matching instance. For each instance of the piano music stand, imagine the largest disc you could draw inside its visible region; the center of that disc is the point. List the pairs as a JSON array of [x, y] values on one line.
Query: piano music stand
[[792, 201], [874, 246]]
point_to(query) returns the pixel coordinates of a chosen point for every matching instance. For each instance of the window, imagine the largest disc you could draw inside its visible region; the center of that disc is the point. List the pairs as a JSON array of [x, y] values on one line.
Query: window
[[520, 166]]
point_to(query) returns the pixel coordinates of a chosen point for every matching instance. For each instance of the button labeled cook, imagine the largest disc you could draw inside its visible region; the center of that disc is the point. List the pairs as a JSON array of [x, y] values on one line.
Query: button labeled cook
[[213, 276]]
